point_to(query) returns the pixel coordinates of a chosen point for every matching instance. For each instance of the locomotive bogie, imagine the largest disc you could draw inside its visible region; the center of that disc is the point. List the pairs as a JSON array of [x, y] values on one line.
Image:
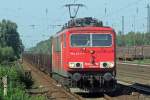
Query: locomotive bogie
[[92, 81]]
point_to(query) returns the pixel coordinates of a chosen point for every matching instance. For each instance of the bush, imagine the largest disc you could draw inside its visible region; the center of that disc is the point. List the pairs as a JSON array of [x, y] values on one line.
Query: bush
[[6, 54], [16, 88]]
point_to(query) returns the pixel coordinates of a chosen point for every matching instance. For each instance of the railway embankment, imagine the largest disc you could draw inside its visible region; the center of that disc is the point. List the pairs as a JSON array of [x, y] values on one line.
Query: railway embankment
[[13, 83], [45, 85]]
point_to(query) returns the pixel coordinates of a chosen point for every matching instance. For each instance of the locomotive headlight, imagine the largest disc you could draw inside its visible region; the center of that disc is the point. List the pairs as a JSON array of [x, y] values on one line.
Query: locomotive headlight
[[76, 64], [107, 64], [111, 64], [72, 64]]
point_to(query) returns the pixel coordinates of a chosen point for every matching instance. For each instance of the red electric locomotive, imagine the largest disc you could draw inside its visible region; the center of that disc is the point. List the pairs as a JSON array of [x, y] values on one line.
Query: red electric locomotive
[[83, 56]]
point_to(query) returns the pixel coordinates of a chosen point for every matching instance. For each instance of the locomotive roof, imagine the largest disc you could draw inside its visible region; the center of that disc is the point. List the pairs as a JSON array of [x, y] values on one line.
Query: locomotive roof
[[80, 29], [82, 24]]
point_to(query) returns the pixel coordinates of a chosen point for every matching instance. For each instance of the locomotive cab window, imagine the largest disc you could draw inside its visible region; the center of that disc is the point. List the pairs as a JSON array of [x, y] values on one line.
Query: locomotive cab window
[[78, 40], [91, 40], [101, 40]]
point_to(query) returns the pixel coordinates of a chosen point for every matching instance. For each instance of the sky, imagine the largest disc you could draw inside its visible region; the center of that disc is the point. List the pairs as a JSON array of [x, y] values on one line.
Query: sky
[[37, 19]]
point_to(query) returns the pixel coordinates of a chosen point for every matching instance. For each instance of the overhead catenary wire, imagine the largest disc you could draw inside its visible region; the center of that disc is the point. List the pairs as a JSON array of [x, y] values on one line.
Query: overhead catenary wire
[[123, 8], [135, 21]]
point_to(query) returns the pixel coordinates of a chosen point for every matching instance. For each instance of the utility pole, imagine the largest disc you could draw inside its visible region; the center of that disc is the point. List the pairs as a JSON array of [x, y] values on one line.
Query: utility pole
[[122, 33], [122, 25], [134, 24], [106, 15], [46, 16], [136, 19], [134, 38], [148, 18]]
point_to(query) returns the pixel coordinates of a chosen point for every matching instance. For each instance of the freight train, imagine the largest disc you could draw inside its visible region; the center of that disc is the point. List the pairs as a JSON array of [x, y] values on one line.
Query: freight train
[[83, 56], [133, 52]]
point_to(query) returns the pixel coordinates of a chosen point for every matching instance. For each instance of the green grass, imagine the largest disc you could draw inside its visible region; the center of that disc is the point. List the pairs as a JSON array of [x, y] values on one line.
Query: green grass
[[144, 61], [16, 88]]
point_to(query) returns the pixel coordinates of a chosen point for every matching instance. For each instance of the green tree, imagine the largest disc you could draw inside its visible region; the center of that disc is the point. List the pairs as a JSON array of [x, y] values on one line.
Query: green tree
[[6, 54], [10, 42], [43, 44], [133, 39]]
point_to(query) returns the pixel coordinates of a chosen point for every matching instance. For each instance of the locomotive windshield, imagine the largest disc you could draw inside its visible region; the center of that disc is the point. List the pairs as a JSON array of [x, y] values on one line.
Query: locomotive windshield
[[101, 40], [80, 40], [91, 40]]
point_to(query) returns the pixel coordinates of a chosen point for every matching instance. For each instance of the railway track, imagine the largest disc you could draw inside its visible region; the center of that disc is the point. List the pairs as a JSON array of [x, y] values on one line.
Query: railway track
[[53, 90], [134, 96], [130, 75], [128, 91], [133, 73], [136, 87]]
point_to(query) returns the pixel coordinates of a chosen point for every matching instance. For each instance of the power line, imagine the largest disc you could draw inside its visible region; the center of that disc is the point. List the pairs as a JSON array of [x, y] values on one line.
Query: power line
[[125, 7]]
